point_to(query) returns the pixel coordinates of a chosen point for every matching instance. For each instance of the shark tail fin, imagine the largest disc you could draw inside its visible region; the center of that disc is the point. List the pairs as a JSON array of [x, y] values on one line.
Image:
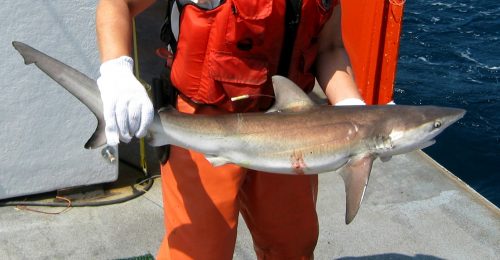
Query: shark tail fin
[[356, 175], [98, 138], [78, 84], [24, 49]]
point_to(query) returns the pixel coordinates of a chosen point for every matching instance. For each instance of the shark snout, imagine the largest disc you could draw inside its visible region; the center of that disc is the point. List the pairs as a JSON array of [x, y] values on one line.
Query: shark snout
[[454, 114]]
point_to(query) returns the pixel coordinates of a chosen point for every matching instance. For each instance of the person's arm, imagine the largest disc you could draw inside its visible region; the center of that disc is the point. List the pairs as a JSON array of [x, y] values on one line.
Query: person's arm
[[335, 75], [114, 26], [128, 111]]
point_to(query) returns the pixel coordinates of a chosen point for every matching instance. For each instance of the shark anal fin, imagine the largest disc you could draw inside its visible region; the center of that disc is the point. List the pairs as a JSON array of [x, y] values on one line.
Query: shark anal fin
[[356, 174]]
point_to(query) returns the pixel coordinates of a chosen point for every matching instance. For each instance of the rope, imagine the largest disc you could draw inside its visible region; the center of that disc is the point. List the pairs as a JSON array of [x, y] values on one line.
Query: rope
[[67, 207]]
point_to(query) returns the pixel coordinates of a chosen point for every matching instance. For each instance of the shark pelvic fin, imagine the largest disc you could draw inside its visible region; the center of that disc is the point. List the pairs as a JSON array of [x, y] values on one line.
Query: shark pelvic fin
[[356, 174], [216, 160], [289, 97]]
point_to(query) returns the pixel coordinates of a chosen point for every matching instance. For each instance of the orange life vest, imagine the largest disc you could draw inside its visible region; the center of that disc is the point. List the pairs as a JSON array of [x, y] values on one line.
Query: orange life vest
[[234, 50]]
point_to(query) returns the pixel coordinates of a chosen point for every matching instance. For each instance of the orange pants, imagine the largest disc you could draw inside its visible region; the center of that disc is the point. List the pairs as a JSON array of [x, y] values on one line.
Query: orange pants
[[202, 204]]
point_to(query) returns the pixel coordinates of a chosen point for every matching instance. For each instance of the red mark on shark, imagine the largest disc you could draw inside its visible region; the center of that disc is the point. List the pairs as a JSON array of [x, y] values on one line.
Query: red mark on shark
[[297, 161]]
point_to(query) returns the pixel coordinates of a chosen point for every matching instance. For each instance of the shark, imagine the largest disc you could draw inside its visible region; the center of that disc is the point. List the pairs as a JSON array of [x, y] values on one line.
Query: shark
[[295, 136]]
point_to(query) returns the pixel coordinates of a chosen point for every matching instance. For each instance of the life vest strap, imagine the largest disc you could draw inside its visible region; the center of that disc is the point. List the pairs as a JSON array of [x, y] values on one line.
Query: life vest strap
[[292, 20]]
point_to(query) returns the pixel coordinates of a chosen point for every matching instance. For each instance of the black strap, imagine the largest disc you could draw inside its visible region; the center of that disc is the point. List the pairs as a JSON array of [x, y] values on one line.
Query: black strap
[[164, 93], [166, 34], [292, 20]]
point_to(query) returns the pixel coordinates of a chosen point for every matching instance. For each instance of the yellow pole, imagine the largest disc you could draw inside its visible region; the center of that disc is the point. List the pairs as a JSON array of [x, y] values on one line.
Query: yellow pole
[[142, 146]]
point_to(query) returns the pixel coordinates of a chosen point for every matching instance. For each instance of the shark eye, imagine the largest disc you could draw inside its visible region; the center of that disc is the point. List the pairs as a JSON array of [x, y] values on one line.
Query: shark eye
[[437, 124]]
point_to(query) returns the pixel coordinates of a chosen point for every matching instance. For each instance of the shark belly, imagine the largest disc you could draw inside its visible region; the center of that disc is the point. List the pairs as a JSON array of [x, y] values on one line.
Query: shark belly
[[277, 155], [251, 141]]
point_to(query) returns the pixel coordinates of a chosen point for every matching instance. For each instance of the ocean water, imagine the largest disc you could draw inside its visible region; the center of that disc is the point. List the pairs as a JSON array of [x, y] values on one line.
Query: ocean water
[[450, 56]]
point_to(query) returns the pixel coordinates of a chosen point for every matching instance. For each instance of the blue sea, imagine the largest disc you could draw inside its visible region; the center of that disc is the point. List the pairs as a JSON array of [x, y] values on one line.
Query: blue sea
[[450, 56]]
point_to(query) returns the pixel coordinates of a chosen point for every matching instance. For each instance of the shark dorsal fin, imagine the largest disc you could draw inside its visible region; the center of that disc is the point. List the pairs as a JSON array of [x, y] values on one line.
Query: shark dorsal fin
[[289, 97], [356, 174]]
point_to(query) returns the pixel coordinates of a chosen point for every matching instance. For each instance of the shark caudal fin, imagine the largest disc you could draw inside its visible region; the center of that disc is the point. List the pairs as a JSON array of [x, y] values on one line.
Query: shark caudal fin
[[78, 84], [98, 138], [356, 174]]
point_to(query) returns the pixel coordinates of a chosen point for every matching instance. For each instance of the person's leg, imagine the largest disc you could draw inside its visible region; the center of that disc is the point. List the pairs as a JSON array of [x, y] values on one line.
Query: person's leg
[[201, 206], [280, 212]]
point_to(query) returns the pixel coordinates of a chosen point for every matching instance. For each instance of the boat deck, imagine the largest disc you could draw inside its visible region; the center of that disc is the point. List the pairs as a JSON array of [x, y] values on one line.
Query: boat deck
[[413, 208]]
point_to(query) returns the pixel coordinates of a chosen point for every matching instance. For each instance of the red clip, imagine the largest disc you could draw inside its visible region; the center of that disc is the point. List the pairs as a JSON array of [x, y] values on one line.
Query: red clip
[[167, 55]]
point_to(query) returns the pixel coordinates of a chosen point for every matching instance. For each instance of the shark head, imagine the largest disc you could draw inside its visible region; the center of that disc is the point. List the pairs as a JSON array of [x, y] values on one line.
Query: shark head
[[416, 127]]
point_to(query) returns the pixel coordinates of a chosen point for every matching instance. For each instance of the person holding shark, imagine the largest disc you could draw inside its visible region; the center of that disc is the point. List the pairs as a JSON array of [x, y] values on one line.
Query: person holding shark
[[226, 49], [237, 57], [277, 140]]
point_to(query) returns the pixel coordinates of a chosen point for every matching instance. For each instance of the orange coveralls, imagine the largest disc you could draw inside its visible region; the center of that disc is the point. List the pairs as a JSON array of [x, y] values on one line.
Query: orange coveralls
[[202, 204], [233, 50]]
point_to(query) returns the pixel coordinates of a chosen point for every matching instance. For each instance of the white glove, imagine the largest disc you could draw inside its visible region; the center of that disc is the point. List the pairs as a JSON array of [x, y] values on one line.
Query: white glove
[[351, 102], [128, 111]]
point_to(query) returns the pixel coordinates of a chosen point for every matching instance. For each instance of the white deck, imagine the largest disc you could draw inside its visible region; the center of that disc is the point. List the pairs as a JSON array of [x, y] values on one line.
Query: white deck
[[413, 209]]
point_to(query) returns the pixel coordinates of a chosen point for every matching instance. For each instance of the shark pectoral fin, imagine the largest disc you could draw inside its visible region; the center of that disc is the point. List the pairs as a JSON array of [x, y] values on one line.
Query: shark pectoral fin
[[98, 138], [356, 174], [216, 160]]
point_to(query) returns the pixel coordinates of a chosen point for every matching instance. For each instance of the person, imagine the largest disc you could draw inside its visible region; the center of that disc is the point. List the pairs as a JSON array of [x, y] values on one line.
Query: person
[[230, 49]]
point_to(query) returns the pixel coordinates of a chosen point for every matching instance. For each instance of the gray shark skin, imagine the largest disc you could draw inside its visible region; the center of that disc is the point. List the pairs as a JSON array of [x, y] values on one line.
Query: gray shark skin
[[294, 137], [78, 84]]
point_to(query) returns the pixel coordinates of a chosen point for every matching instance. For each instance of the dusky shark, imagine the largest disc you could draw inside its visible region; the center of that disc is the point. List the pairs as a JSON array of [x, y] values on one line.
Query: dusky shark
[[294, 137]]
